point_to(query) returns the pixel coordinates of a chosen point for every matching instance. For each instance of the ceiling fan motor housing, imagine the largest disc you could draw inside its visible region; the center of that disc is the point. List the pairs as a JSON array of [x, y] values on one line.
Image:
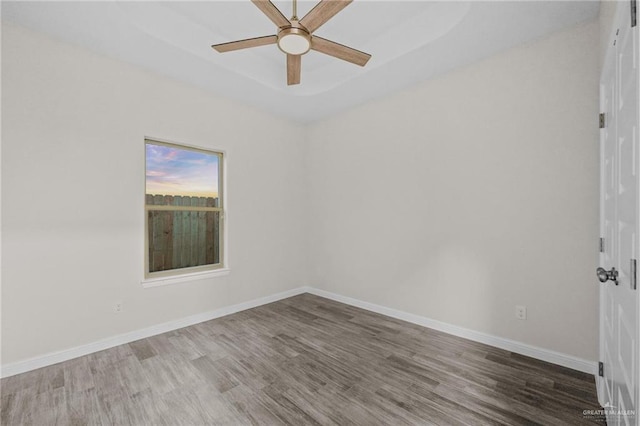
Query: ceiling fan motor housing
[[294, 39]]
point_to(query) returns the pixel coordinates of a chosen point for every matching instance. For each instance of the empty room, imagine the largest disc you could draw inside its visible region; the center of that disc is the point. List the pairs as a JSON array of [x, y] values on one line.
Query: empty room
[[323, 212]]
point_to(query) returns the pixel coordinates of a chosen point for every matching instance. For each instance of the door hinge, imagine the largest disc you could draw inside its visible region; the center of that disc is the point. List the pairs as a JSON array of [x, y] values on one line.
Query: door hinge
[[634, 19], [601, 245], [602, 120], [633, 273], [601, 369]]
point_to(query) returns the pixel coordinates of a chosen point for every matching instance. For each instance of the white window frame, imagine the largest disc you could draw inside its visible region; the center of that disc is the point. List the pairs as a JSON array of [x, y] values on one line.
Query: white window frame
[[175, 276]]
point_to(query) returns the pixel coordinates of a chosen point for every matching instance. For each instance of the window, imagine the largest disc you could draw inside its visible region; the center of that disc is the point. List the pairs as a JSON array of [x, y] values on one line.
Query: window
[[183, 210]]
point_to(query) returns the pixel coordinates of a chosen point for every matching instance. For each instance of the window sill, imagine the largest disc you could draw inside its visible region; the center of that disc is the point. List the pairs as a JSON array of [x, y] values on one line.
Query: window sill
[[156, 282]]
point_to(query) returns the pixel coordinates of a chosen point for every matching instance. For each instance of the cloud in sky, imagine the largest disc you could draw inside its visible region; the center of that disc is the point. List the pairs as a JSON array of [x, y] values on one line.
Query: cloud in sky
[[175, 171]]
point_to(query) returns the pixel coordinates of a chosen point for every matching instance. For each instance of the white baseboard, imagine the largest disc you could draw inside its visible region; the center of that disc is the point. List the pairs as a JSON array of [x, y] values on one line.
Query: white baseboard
[[507, 344], [554, 357], [67, 354]]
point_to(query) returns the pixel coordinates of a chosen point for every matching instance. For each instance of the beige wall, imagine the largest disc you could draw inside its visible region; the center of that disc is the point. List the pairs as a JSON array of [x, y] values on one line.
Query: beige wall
[[470, 194], [455, 200], [72, 191]]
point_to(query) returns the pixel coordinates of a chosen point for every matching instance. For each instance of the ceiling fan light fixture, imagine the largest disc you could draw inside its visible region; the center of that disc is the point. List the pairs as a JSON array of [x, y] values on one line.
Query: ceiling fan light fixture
[[294, 36], [294, 41]]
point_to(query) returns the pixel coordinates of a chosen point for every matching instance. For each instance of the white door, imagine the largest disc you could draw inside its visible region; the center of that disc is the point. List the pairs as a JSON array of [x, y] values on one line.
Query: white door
[[619, 225]]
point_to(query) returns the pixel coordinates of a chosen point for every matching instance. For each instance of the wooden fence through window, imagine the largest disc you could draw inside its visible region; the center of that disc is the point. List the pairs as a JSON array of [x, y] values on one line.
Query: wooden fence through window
[[182, 239]]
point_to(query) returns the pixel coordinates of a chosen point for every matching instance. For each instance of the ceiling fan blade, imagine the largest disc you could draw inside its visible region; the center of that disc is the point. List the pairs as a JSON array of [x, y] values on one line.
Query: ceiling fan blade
[[339, 51], [245, 44], [322, 12], [294, 68], [272, 12]]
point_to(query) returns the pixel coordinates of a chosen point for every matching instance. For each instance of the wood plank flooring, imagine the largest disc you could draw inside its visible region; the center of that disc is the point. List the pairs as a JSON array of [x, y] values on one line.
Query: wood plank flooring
[[303, 360]]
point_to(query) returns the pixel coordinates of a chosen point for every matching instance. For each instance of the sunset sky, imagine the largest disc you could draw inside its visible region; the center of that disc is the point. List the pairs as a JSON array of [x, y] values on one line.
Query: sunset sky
[[175, 171]]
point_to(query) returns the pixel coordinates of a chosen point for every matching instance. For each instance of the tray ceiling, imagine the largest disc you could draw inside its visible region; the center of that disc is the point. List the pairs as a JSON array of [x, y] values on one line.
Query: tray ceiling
[[410, 41]]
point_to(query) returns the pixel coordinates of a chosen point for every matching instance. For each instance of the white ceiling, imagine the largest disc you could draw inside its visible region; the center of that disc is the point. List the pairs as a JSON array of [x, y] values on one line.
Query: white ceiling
[[410, 41]]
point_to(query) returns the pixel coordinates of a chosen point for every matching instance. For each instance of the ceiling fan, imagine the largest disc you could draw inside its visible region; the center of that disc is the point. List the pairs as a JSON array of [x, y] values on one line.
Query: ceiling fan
[[295, 36]]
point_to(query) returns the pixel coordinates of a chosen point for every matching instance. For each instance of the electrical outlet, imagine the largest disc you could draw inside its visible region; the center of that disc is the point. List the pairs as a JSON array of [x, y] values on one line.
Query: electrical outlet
[[521, 312], [117, 307]]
